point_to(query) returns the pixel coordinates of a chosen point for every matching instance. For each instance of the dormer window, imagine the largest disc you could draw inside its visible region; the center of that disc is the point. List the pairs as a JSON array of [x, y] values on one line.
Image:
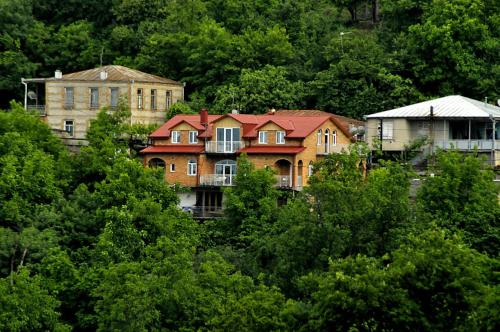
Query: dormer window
[[262, 137], [192, 137], [280, 137], [176, 136]]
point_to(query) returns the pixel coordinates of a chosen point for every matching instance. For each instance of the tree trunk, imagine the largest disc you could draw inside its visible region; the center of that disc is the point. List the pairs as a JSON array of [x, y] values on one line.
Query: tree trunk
[[375, 11]]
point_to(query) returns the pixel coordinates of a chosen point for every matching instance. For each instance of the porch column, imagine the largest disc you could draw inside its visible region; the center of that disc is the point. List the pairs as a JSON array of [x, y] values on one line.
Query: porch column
[[470, 131]]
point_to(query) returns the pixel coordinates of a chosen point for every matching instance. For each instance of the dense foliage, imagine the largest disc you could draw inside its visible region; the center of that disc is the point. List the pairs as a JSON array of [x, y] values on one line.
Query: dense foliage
[[95, 241], [350, 57]]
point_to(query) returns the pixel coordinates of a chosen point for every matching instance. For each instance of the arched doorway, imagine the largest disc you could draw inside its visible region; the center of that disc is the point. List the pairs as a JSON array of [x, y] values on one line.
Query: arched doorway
[[327, 141], [284, 170], [156, 163]]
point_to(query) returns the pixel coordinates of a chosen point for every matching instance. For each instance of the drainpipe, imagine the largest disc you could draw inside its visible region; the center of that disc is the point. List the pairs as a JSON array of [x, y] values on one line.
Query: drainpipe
[[470, 131], [493, 146], [25, 93]]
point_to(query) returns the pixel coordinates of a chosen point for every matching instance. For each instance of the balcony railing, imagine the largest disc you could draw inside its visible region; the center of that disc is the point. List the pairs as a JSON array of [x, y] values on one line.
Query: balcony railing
[[217, 180], [283, 181], [465, 144], [327, 149], [223, 146], [39, 108]]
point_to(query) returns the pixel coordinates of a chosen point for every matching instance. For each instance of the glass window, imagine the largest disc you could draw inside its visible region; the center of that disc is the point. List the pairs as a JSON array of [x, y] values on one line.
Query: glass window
[[176, 136], [262, 137], [153, 99], [319, 136], [114, 92], [387, 129], [139, 98], [69, 97], [310, 169], [280, 137], [69, 127], [334, 137], [172, 168], [192, 137], [168, 100], [191, 167], [94, 97]]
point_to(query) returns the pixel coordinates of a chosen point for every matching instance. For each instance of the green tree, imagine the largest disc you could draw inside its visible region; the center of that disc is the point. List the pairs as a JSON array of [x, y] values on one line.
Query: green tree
[[463, 197]]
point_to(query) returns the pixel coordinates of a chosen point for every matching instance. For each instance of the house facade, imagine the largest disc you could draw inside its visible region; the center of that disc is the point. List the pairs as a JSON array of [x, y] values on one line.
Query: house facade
[[450, 122], [200, 151], [67, 102]]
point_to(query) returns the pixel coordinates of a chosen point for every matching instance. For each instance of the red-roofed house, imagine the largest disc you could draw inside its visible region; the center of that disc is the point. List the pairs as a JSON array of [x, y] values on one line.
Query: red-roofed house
[[200, 151]]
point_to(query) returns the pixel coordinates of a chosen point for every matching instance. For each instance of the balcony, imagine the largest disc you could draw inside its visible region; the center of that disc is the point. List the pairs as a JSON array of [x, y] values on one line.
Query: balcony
[[39, 108], [283, 181], [217, 180], [465, 144], [223, 147], [327, 149]]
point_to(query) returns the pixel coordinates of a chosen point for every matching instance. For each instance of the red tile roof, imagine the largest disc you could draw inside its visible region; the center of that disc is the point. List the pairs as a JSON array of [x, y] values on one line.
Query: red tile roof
[[174, 149], [272, 149], [296, 126]]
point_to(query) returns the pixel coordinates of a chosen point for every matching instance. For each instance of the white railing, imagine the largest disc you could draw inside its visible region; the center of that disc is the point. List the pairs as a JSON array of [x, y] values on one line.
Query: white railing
[[327, 149], [39, 108], [224, 146], [217, 180], [465, 144], [283, 181]]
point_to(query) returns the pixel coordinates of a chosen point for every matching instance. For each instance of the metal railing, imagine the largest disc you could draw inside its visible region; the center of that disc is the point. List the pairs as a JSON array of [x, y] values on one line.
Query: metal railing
[[465, 144], [283, 181], [217, 180], [205, 212], [327, 149], [224, 146], [39, 108]]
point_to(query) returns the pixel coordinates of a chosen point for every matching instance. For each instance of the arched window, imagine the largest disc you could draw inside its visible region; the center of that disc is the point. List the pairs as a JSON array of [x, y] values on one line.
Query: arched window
[[310, 169], [300, 166], [334, 137], [320, 133], [327, 141], [192, 167], [156, 162]]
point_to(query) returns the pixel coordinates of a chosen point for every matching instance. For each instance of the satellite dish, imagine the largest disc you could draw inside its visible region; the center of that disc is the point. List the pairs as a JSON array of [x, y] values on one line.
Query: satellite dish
[[31, 95]]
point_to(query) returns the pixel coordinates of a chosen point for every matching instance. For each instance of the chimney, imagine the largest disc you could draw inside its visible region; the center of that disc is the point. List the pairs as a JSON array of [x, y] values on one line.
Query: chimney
[[103, 75], [204, 117], [58, 74]]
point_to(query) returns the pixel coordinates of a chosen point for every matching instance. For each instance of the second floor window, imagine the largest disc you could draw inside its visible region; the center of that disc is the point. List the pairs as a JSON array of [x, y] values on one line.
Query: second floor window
[[153, 99], [168, 100], [139, 98], [320, 133], [69, 97], [191, 167], [280, 137], [69, 127], [387, 129], [94, 97], [262, 137], [192, 137], [176, 136], [334, 137], [113, 92]]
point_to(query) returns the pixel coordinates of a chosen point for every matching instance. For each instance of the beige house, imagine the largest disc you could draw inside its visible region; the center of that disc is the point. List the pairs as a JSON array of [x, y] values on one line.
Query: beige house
[[452, 122], [67, 102]]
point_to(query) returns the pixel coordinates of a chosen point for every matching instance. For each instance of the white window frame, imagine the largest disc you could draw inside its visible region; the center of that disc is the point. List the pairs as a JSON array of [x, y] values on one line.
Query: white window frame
[[69, 124], [192, 167], [193, 139], [387, 129], [334, 138], [168, 99], [280, 137], [94, 94], [172, 168], [176, 137], [263, 137], [320, 137], [310, 169]]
